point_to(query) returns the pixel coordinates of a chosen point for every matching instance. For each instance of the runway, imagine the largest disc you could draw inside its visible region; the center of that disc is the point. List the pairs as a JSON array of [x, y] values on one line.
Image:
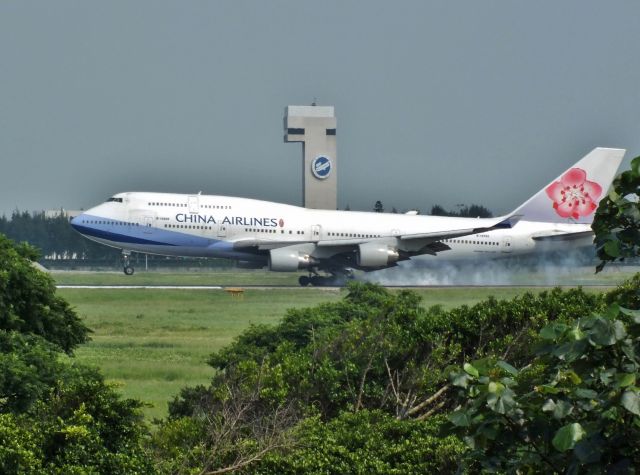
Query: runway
[[296, 287]]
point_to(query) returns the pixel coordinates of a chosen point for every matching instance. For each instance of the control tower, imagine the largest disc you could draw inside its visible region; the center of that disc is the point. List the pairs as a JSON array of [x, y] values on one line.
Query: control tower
[[315, 127]]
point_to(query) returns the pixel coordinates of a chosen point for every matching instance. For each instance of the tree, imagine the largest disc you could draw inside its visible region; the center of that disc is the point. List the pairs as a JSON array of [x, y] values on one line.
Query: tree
[[437, 210], [378, 207], [377, 354], [55, 416], [28, 302], [574, 406], [367, 442], [617, 220]]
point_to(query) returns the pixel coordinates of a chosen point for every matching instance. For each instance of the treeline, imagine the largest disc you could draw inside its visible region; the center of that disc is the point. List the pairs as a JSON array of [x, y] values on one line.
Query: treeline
[[54, 236], [471, 211], [463, 211]]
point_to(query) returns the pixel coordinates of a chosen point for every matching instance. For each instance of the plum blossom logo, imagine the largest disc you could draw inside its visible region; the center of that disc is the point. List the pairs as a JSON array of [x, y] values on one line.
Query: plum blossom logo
[[574, 195]]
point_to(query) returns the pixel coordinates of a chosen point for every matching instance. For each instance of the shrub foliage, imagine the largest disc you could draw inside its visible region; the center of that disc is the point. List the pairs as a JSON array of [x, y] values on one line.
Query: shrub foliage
[[55, 416]]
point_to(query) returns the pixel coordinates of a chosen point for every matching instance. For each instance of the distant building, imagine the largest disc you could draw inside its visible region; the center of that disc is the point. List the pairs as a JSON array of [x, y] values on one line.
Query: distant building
[[315, 127]]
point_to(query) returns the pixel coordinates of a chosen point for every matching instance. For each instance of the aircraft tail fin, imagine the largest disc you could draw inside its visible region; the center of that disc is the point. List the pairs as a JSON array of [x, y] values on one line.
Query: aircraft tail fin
[[574, 196]]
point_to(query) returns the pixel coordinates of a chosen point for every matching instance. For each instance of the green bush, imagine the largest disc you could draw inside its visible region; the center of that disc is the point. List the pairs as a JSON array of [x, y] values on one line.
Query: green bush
[[376, 361], [56, 417], [370, 442]]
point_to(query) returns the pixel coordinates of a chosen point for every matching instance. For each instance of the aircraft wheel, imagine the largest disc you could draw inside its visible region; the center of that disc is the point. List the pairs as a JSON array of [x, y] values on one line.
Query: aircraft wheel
[[318, 281], [304, 280], [128, 270]]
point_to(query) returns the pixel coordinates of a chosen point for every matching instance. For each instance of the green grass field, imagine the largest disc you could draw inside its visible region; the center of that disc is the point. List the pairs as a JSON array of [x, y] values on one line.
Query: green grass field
[[152, 342]]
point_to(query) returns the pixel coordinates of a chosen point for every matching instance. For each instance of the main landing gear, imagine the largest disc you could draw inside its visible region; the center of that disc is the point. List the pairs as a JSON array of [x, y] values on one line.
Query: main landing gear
[[126, 263], [335, 279]]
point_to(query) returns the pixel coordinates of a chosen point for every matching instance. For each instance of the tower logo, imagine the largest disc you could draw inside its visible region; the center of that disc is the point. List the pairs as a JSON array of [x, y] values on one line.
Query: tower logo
[[321, 167]]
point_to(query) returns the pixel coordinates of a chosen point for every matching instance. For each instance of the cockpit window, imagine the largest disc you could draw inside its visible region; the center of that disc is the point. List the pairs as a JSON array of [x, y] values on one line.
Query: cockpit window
[[117, 200]]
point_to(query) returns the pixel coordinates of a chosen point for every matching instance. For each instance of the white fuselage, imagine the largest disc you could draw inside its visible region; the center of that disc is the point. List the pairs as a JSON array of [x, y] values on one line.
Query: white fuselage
[[220, 226], [517, 241]]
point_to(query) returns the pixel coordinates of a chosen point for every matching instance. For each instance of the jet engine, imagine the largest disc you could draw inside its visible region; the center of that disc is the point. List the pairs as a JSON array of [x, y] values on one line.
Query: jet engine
[[286, 259], [373, 254]]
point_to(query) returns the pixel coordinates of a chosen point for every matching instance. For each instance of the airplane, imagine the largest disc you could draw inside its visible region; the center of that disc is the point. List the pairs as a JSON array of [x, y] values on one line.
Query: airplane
[[287, 238]]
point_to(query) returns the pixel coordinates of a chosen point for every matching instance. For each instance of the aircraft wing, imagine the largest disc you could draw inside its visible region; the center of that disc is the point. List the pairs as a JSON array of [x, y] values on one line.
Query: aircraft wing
[[262, 244], [505, 223], [508, 222], [420, 243]]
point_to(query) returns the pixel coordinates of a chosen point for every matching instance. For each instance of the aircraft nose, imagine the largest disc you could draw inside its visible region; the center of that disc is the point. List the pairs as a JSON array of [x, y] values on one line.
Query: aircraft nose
[[76, 222]]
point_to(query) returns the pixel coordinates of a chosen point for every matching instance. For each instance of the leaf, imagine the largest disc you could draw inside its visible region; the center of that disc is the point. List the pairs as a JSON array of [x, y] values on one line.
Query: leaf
[[612, 248], [507, 367], [605, 332], [589, 450], [586, 393], [553, 331], [635, 165], [612, 311], [562, 410], [626, 379], [484, 365], [549, 405], [607, 376], [613, 196], [635, 314], [573, 376], [631, 402], [460, 379], [501, 402], [496, 388], [567, 436], [571, 351], [547, 389], [620, 331], [630, 352], [469, 369], [460, 418]]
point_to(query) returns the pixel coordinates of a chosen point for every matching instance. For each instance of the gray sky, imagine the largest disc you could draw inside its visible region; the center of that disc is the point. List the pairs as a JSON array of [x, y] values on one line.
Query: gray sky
[[437, 101]]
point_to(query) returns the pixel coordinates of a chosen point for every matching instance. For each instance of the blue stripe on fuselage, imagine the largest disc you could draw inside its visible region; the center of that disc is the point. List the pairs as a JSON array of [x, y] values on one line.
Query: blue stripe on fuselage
[[140, 234], [116, 237]]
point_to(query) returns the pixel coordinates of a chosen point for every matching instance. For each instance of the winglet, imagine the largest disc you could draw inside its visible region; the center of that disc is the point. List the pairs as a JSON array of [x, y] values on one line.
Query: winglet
[[508, 223]]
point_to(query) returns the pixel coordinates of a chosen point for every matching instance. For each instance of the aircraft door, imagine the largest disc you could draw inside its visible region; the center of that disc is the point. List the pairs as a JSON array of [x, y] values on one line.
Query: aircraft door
[[316, 229], [506, 244], [147, 222], [194, 204], [222, 230]]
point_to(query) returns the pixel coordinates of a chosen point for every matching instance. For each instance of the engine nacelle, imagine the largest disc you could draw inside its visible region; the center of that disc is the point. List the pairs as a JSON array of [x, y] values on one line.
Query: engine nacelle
[[373, 254], [286, 259]]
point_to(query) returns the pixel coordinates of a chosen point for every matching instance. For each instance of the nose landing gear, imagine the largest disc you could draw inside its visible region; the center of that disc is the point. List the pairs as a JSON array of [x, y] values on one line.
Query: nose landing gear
[[127, 268]]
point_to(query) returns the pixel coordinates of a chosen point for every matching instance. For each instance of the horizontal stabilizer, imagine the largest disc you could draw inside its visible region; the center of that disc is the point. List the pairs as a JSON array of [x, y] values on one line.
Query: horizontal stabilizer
[[563, 236]]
